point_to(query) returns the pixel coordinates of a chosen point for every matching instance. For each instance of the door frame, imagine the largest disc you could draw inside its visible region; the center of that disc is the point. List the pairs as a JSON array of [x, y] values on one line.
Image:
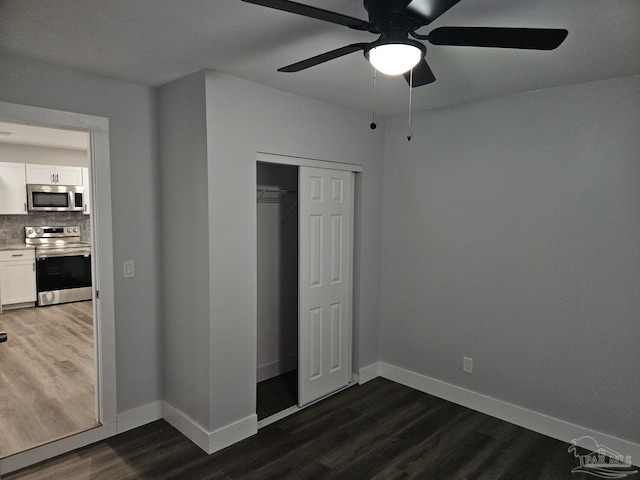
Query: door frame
[[265, 157], [103, 285], [306, 162]]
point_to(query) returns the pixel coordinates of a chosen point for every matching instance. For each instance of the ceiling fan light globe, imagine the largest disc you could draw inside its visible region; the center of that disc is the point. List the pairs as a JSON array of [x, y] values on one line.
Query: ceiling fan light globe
[[394, 58]]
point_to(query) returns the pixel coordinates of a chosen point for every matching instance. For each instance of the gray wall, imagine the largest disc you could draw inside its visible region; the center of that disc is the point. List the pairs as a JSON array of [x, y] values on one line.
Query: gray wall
[[243, 118], [185, 246], [131, 110], [512, 236]]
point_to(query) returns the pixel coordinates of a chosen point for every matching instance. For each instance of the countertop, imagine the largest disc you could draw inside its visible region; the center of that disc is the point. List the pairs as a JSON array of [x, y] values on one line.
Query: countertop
[[16, 246]]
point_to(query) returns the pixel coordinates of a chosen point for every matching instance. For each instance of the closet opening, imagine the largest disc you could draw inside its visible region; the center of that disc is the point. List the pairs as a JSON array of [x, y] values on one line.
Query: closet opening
[[277, 315]]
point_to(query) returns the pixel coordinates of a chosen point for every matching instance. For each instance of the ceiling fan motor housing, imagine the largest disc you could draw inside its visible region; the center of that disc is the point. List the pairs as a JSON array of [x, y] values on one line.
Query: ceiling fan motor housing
[[387, 16]]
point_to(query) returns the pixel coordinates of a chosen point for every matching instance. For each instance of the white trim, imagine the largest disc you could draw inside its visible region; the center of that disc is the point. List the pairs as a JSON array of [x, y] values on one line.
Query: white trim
[[128, 420], [296, 408], [213, 441], [98, 129], [368, 373], [352, 305], [538, 422], [46, 117], [186, 425], [306, 162], [136, 417], [273, 369], [233, 433], [279, 416], [53, 449], [104, 309]]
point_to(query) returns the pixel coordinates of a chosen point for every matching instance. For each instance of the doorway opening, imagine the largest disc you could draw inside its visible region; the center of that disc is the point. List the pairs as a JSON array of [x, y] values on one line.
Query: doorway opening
[[277, 227], [48, 374], [305, 268], [97, 128]]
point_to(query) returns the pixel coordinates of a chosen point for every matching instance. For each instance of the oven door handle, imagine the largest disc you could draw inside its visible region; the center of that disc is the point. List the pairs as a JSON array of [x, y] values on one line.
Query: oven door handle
[[44, 256]]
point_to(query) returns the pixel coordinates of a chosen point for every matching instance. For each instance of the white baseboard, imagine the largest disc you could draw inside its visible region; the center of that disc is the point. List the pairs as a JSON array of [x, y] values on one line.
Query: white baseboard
[[50, 450], [139, 416], [125, 421], [273, 369], [368, 373], [538, 422], [186, 425], [229, 434], [210, 441], [232, 433]]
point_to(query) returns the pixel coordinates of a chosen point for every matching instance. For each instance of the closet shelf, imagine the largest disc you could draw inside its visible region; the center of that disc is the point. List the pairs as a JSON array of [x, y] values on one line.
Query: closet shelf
[[272, 194]]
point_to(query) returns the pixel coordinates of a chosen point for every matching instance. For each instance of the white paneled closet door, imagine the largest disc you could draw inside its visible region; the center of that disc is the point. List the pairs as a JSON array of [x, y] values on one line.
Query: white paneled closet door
[[325, 249]]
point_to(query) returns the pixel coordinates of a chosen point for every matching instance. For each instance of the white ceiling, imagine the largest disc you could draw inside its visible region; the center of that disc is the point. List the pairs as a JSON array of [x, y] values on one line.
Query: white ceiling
[[155, 41], [21, 134]]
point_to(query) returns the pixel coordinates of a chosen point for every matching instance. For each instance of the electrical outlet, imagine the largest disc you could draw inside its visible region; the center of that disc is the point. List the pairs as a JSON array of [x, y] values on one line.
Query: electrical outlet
[[467, 365]]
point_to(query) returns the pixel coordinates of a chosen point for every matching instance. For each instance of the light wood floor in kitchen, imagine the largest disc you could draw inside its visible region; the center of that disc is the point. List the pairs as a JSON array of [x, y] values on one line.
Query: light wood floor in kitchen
[[47, 375]]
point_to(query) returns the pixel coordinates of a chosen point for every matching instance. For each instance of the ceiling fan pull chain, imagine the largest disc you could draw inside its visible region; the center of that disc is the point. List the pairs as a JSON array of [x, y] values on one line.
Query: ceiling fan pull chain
[[373, 119], [410, 97]]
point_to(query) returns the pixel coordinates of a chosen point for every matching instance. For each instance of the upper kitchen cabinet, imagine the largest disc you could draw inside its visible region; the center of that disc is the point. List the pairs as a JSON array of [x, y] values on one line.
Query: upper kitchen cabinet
[[68, 175], [86, 197], [54, 174], [13, 192]]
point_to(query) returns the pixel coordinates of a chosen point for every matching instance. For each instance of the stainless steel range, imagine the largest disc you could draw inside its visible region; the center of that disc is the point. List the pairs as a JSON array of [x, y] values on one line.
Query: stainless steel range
[[63, 264]]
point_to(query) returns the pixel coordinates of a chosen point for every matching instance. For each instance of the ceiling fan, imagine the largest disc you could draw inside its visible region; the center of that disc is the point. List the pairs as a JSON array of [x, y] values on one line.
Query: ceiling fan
[[394, 52]]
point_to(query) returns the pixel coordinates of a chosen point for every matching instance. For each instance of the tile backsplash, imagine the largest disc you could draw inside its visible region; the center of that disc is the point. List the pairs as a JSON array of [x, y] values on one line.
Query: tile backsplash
[[12, 226]]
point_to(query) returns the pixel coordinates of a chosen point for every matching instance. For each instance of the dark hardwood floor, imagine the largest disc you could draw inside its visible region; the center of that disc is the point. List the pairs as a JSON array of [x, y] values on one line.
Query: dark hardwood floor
[[380, 430], [277, 394]]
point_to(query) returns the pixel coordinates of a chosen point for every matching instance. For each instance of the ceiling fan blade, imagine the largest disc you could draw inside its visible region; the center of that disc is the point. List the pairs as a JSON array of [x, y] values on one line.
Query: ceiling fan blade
[[422, 74], [313, 12], [524, 38], [324, 57], [429, 10]]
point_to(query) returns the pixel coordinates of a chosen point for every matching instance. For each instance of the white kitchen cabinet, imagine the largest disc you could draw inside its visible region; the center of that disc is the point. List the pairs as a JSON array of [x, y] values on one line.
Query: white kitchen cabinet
[[41, 174], [68, 175], [17, 277], [54, 174], [13, 192], [86, 197]]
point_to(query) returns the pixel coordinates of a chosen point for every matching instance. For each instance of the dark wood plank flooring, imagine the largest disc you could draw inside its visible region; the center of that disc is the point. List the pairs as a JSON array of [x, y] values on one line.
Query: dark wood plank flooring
[[380, 430], [277, 394], [47, 375]]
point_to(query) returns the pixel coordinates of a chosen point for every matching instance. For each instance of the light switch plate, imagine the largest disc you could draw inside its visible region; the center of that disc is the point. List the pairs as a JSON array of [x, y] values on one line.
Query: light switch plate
[[129, 269]]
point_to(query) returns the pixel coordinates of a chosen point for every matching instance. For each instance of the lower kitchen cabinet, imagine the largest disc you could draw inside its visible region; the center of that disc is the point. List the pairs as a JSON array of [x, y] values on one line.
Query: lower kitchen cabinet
[[17, 277]]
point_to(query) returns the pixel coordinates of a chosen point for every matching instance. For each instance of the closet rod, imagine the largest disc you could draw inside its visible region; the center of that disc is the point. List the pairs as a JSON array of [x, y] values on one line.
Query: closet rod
[[269, 189], [271, 193]]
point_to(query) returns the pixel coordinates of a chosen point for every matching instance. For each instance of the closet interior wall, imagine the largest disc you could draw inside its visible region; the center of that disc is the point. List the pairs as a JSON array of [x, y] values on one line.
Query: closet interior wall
[[277, 226]]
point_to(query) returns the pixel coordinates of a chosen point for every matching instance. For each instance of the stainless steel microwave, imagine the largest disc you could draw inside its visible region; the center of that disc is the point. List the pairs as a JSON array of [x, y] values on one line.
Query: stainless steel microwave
[[55, 198]]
